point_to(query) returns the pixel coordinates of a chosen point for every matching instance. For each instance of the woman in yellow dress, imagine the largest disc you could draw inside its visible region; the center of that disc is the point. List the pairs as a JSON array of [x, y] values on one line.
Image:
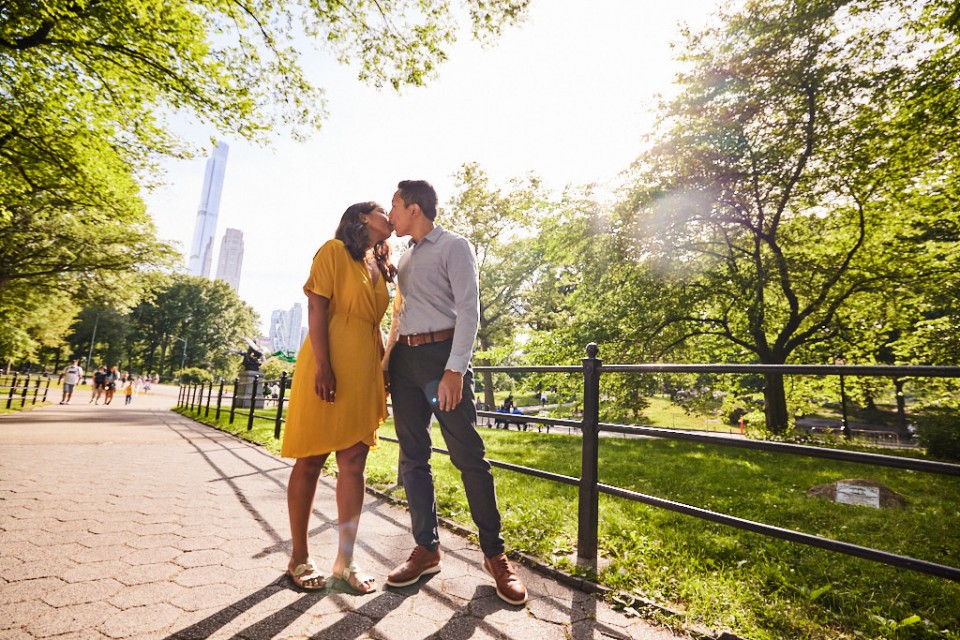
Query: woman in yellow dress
[[338, 395]]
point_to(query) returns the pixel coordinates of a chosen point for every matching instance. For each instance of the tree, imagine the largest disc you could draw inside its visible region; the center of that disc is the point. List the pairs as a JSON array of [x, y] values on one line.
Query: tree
[[584, 289], [771, 196], [86, 87], [499, 226]]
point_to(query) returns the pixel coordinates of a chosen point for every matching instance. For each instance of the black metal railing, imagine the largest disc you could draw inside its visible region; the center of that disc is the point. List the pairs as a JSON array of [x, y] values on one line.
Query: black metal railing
[[590, 427], [246, 395], [19, 387]]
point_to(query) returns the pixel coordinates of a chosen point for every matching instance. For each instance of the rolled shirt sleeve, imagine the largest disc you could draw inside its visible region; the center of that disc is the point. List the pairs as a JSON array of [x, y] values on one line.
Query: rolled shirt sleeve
[[464, 280]]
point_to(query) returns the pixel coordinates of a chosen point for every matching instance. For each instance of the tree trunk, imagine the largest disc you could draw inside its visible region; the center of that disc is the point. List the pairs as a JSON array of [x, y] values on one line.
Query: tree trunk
[[488, 398], [901, 403], [775, 403], [163, 354]]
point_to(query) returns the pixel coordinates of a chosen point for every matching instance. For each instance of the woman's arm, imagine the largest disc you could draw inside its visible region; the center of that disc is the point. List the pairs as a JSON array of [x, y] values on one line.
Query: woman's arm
[[324, 384]]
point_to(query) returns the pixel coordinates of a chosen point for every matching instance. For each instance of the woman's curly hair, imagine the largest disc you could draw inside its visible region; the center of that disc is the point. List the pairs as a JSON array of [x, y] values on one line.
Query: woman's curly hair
[[352, 232]]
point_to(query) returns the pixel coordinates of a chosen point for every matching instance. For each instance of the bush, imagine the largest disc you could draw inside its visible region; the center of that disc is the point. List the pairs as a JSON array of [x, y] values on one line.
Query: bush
[[938, 429], [194, 374]]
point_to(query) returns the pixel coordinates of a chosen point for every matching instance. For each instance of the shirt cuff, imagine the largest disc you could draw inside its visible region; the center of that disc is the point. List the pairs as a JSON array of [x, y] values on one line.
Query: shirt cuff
[[458, 364]]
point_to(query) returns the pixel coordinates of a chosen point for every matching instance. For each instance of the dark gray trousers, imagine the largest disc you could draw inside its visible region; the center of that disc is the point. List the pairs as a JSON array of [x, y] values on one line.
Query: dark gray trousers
[[415, 373]]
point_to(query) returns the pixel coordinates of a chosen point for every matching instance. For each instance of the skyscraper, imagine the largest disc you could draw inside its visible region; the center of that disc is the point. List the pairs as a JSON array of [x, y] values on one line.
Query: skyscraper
[[201, 251], [294, 324], [286, 332], [231, 258]]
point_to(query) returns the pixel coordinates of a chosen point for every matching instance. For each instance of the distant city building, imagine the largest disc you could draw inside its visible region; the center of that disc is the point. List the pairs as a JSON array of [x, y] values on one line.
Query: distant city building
[[286, 331], [278, 330], [201, 251], [294, 324], [231, 258]]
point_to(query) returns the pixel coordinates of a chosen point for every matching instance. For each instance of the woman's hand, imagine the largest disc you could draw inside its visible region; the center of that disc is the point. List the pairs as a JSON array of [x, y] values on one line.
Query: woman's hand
[[386, 381], [325, 384]]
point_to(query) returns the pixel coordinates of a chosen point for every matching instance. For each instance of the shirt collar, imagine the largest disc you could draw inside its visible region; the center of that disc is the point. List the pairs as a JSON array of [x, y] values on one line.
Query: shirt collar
[[431, 237]]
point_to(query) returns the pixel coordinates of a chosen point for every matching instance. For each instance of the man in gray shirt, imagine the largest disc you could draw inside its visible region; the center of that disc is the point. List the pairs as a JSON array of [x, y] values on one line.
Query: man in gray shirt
[[430, 374]]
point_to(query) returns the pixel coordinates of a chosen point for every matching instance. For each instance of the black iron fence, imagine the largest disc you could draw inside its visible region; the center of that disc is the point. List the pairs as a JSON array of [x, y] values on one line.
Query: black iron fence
[[254, 398], [21, 387], [590, 488]]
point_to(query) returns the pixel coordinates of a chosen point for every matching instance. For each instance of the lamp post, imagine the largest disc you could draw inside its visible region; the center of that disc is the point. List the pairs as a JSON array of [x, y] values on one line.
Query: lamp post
[[93, 339], [183, 358], [840, 361]]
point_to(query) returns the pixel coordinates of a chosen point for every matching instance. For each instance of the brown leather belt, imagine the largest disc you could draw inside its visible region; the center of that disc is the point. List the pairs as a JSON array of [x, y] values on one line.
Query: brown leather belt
[[418, 339]]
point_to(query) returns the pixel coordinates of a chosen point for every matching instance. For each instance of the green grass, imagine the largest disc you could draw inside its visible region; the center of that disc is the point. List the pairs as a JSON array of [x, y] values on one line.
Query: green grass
[[757, 587]]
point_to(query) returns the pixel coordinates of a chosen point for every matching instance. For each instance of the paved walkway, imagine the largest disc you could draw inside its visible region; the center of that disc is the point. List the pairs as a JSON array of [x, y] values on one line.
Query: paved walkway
[[134, 522]]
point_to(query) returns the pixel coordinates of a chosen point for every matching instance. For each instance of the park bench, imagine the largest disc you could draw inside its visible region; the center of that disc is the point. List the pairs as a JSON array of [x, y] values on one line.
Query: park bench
[[504, 420]]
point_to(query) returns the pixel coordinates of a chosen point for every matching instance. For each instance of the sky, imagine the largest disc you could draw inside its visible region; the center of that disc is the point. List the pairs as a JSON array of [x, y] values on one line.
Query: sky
[[568, 96]]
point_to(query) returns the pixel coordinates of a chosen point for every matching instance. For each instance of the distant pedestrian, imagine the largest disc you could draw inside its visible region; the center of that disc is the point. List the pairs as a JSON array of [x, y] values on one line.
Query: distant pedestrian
[[113, 378], [543, 398], [72, 375], [128, 392], [146, 385], [99, 384]]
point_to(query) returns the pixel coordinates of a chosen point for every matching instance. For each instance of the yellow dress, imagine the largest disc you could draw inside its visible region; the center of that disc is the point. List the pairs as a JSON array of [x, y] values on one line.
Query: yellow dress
[[315, 427]]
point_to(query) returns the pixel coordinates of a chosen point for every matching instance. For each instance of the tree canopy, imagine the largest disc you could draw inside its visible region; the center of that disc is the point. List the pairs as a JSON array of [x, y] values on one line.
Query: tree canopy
[[88, 87], [773, 198]]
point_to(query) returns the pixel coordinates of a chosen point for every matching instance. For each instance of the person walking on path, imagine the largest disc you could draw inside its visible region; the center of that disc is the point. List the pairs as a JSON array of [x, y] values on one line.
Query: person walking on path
[[339, 398], [99, 382], [129, 391], [112, 380], [72, 375], [430, 374]]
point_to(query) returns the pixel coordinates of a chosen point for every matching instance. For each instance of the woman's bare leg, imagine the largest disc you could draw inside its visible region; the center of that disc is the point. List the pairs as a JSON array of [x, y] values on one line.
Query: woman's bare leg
[[301, 490], [351, 483]]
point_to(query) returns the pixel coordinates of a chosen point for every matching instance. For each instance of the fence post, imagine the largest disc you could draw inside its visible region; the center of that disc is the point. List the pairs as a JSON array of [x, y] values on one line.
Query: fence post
[[36, 391], [206, 414], [219, 400], [179, 394], [589, 501], [253, 402], [23, 395], [193, 397], [233, 398], [200, 398], [46, 390], [13, 385], [283, 388]]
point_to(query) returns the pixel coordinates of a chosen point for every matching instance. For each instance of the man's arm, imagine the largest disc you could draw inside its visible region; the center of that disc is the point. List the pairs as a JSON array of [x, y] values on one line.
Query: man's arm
[[464, 280]]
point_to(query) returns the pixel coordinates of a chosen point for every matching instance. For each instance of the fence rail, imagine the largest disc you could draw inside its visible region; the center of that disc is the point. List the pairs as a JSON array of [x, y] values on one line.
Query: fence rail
[[590, 428], [18, 387]]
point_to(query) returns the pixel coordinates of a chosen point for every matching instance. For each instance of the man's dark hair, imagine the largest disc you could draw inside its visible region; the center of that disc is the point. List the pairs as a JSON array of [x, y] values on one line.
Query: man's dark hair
[[419, 192]]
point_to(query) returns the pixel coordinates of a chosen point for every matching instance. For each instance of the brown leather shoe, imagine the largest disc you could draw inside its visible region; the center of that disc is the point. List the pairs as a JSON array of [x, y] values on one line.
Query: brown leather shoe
[[509, 585], [420, 563]]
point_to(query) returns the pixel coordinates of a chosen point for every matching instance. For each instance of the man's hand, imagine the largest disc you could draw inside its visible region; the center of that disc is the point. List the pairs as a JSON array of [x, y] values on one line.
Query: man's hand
[[450, 390]]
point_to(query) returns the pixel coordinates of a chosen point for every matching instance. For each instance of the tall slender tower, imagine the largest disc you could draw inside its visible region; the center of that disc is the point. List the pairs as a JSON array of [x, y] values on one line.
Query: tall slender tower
[[231, 258], [201, 251]]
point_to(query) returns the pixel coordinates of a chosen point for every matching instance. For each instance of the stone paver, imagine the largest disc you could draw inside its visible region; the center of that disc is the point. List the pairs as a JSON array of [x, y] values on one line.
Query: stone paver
[[134, 522]]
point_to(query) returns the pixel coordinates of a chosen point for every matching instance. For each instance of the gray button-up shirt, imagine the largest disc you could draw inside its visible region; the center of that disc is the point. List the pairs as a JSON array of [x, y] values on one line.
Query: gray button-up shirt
[[439, 282]]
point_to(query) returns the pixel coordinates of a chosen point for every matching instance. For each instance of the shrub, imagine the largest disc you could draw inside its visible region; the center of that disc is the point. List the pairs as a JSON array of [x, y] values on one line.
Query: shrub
[[938, 429], [194, 374]]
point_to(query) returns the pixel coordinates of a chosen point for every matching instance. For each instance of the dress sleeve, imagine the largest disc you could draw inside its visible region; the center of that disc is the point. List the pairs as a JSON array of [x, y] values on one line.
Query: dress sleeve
[[323, 271]]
